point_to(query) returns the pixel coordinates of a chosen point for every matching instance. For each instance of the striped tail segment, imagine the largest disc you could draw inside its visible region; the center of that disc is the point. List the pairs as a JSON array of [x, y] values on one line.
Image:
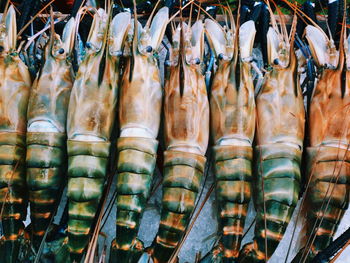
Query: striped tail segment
[[87, 166], [13, 193], [46, 173], [277, 167], [183, 173], [136, 163], [330, 171], [233, 170]]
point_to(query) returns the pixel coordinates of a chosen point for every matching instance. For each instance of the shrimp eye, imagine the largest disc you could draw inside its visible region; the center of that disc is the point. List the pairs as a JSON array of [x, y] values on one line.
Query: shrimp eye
[[1, 48], [88, 45], [149, 49], [276, 61], [198, 61], [61, 51], [220, 56]]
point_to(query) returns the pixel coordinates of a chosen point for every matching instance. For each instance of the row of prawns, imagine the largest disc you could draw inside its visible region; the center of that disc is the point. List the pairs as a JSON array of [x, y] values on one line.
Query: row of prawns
[[277, 116], [57, 116], [61, 127], [269, 169]]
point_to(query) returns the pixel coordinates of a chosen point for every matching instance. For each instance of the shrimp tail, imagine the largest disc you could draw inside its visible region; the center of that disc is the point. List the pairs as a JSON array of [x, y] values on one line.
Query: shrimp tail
[[233, 170], [277, 192], [325, 188], [13, 194], [136, 163], [183, 173], [46, 155], [87, 168]]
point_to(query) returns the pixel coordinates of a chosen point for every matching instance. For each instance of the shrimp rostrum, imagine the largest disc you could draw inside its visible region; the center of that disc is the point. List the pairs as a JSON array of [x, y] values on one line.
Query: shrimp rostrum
[[186, 129], [15, 83], [46, 131], [139, 119], [232, 108], [279, 139], [91, 114], [328, 156]]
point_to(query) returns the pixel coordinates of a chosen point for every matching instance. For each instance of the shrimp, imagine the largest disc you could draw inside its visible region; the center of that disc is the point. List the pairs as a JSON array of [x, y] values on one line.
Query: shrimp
[[186, 129], [328, 156], [15, 83], [46, 131], [139, 118], [279, 138], [91, 116], [233, 116]]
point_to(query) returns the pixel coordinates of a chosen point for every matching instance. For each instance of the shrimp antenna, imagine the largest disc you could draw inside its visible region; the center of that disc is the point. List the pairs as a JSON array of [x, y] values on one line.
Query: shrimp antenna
[[75, 9], [34, 17], [293, 29], [343, 27], [205, 12], [328, 28], [5, 11], [224, 11], [283, 22], [273, 19], [109, 10], [180, 11], [200, 4], [173, 28], [190, 19], [236, 30], [301, 13], [136, 31], [32, 38], [152, 14], [181, 50], [342, 39], [52, 27], [230, 14], [80, 13]]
